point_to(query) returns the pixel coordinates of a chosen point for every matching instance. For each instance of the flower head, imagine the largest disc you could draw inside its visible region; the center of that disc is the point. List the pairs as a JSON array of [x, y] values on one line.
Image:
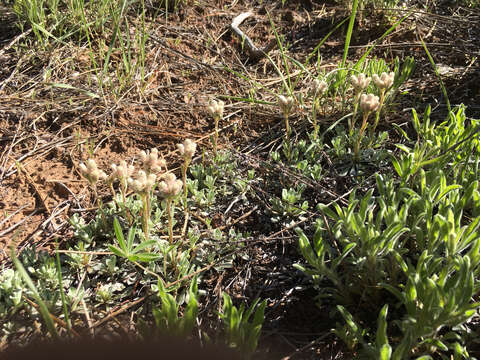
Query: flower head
[[319, 86], [285, 103], [121, 172], [187, 149], [360, 82], [369, 103], [151, 162], [91, 172], [384, 81], [143, 183], [216, 109], [170, 186]]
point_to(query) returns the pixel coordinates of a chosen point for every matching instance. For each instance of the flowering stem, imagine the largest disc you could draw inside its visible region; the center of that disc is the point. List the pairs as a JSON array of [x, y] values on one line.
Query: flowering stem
[[124, 198], [124, 206], [360, 135], [184, 178], [355, 110], [99, 204], [110, 184], [287, 137], [314, 117], [185, 194], [377, 117], [146, 214], [215, 136], [170, 221], [364, 124], [287, 127]]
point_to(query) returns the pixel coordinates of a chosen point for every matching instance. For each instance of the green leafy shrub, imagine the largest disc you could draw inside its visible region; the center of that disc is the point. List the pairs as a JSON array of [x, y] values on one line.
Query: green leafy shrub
[[414, 237]]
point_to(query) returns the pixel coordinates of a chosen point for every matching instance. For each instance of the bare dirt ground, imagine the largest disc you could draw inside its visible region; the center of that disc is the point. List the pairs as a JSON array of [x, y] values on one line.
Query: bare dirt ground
[[46, 130]]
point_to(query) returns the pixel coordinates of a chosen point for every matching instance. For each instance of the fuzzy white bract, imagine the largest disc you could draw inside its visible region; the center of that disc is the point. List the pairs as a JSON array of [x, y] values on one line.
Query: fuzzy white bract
[[369, 103], [187, 149], [384, 81], [216, 108], [319, 86], [91, 172], [285, 103], [143, 183], [121, 172], [170, 186], [360, 82], [151, 162]]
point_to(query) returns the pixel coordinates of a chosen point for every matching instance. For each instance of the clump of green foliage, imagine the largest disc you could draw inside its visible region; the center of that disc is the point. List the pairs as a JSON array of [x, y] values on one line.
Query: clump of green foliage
[[107, 263], [410, 243]]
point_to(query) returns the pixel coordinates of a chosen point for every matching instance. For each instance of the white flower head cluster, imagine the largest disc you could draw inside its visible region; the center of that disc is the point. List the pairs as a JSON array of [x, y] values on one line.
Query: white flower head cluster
[[151, 162], [121, 172], [360, 82], [187, 149], [216, 109], [369, 103], [384, 81], [91, 172], [143, 183], [170, 186], [319, 86], [285, 103]]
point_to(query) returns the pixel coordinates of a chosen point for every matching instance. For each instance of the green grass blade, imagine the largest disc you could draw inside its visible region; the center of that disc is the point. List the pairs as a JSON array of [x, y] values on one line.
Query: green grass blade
[[62, 292], [312, 54], [385, 34], [114, 38], [442, 85], [349, 31], [289, 87]]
